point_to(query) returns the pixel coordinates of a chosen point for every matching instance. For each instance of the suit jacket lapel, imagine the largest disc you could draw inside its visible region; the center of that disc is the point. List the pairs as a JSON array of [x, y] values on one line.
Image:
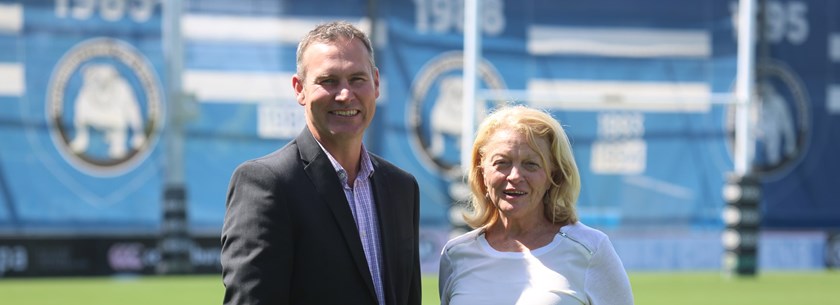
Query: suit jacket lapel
[[388, 218], [322, 174]]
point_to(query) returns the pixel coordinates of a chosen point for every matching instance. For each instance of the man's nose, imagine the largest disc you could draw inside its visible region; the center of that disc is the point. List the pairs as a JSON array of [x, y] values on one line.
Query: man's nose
[[343, 94]]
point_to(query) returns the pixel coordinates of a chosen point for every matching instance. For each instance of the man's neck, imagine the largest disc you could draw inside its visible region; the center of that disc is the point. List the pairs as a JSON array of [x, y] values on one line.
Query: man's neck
[[348, 154]]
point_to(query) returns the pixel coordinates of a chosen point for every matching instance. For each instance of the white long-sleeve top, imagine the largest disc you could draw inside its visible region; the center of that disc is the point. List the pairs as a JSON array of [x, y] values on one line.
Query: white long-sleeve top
[[580, 266]]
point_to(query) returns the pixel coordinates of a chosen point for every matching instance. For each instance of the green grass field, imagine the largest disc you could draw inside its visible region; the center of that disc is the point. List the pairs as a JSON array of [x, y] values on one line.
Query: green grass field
[[769, 288]]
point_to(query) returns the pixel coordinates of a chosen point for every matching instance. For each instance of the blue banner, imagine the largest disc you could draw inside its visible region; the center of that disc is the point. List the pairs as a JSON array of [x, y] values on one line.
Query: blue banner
[[638, 86], [81, 133]]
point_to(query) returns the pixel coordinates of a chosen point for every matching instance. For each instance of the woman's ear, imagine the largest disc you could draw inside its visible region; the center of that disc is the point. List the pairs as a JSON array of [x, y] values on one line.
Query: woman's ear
[[557, 176]]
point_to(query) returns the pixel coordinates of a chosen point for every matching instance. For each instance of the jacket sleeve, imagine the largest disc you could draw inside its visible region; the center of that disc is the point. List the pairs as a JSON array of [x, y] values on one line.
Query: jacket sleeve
[[256, 244]]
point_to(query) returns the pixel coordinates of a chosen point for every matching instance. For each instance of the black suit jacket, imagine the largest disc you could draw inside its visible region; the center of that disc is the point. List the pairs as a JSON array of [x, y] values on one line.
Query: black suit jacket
[[289, 236]]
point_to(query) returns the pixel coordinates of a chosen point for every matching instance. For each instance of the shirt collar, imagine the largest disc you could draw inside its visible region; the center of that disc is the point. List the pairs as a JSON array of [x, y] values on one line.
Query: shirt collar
[[366, 165]]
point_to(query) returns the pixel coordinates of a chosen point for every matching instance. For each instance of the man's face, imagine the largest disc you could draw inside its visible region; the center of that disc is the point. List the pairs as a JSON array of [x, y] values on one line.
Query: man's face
[[339, 90]]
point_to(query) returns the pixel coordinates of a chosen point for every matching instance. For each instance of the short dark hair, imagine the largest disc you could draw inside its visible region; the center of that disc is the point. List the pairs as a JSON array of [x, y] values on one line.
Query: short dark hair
[[332, 32]]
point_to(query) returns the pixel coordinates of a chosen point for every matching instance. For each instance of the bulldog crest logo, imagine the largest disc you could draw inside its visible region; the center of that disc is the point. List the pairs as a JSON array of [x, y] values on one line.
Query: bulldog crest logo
[[95, 107], [779, 119], [434, 111]]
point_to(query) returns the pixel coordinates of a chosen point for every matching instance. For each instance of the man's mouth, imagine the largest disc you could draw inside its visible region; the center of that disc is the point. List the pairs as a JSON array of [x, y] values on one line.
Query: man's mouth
[[345, 112]]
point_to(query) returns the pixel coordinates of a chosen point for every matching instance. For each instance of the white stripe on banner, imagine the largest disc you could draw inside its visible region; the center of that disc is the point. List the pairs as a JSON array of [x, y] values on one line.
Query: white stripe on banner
[[834, 47], [216, 86], [618, 42], [238, 86], [230, 86], [832, 103], [12, 77], [229, 28], [11, 18], [663, 187], [619, 95]]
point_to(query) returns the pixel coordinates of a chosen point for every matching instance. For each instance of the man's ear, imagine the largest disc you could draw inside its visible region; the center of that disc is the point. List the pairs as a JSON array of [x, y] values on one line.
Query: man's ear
[[376, 80], [297, 86]]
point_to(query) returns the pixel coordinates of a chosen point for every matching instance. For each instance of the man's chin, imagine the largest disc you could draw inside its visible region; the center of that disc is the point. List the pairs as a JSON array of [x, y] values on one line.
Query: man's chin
[[346, 133]]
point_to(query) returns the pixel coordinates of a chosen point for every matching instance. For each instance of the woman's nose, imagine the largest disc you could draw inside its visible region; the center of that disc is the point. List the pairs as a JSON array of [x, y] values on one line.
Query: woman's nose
[[515, 174]]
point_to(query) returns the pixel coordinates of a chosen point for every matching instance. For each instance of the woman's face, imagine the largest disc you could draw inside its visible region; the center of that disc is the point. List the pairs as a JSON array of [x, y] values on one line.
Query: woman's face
[[514, 174]]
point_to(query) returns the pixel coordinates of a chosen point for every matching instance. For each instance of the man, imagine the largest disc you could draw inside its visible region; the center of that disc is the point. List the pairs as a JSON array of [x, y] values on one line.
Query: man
[[322, 221]]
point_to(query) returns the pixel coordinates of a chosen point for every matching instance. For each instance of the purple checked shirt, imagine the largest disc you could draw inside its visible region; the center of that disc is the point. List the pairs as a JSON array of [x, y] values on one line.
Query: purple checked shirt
[[360, 197]]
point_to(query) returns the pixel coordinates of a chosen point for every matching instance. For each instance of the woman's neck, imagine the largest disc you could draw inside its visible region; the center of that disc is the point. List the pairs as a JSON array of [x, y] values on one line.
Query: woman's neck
[[508, 235]]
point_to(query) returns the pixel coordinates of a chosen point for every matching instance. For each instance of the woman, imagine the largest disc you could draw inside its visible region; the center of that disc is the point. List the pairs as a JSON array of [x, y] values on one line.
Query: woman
[[528, 246]]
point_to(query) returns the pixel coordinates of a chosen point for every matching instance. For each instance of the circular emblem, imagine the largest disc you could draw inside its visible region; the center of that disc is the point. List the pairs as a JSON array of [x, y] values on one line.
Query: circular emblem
[[434, 112], [779, 120], [104, 107]]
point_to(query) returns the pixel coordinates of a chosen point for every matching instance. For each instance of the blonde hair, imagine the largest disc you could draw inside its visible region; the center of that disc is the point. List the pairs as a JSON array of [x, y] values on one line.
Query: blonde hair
[[562, 194]]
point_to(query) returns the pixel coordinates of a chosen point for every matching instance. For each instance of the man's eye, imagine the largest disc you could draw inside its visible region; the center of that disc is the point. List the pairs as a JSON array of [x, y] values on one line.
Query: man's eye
[[358, 81]]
